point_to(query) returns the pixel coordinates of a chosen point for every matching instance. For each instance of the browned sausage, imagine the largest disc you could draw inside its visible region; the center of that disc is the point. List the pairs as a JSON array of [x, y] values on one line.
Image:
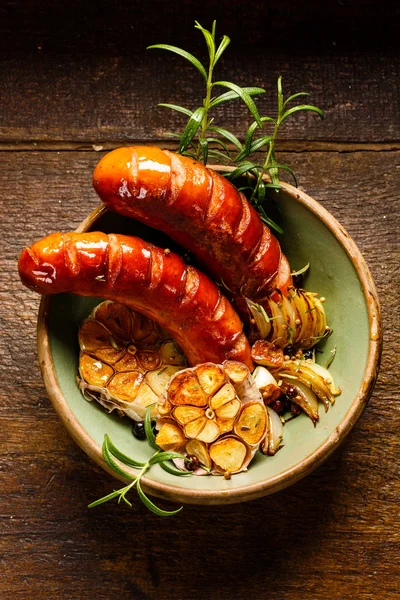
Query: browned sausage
[[198, 208], [153, 281]]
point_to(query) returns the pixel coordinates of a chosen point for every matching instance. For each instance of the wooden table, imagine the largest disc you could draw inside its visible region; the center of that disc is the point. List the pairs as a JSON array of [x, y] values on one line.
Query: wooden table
[[76, 80]]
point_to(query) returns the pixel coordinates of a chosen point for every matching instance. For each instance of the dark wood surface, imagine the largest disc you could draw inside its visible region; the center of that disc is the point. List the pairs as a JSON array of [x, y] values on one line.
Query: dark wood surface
[[75, 78]]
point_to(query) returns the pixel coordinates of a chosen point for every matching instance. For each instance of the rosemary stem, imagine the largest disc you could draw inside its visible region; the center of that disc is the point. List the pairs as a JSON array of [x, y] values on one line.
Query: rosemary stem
[[271, 146]]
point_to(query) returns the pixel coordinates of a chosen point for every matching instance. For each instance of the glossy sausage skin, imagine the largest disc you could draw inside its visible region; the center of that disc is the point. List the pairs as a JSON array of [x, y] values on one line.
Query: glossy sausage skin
[[155, 282], [199, 209]]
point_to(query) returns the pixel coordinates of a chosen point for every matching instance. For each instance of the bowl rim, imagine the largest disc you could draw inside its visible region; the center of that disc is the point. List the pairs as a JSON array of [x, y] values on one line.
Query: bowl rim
[[288, 476]]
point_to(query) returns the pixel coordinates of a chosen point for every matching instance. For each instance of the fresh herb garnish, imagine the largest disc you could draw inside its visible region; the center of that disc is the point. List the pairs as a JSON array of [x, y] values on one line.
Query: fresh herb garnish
[[110, 452], [200, 130], [202, 139]]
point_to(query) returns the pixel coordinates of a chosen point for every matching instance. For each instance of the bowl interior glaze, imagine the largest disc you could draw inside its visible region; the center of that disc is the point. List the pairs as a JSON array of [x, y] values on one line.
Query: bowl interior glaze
[[337, 272]]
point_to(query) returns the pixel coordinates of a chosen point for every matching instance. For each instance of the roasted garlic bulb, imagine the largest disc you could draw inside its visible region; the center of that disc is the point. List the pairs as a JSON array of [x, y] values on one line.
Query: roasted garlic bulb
[[214, 413], [126, 360]]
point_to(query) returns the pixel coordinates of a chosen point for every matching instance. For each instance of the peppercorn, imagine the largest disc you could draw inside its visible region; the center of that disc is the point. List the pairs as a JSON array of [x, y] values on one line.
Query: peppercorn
[[138, 430], [192, 462], [278, 406], [294, 409]]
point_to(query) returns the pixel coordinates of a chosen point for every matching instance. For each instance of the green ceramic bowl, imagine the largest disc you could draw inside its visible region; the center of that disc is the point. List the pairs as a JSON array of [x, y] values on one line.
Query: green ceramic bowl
[[338, 272]]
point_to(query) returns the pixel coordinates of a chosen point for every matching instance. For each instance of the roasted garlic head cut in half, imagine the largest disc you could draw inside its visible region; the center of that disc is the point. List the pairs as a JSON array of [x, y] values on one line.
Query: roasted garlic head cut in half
[[215, 415], [126, 360]]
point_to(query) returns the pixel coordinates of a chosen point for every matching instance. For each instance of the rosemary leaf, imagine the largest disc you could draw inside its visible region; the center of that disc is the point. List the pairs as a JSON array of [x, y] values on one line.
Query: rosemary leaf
[[227, 96], [331, 358], [149, 429], [172, 471], [192, 59], [163, 456], [191, 128], [105, 498], [181, 109], [227, 135], [111, 462], [247, 99], [308, 107], [295, 96], [122, 457], [302, 270], [221, 48], [151, 506]]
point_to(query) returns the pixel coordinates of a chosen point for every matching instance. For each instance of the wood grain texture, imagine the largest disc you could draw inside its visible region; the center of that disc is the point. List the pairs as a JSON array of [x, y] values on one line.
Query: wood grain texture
[[333, 535], [72, 72], [77, 76]]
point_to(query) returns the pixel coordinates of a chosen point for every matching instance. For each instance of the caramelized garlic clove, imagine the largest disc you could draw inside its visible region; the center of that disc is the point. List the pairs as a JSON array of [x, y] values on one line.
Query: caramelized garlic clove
[[185, 414], [228, 454], [193, 429], [236, 371], [224, 395], [117, 318], [229, 410], [252, 423], [170, 438], [125, 386], [94, 371], [185, 388], [148, 360], [93, 335], [211, 377]]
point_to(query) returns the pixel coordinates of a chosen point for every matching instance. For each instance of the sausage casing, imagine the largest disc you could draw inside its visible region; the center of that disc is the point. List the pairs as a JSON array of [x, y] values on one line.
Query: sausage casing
[[199, 209], [155, 282]]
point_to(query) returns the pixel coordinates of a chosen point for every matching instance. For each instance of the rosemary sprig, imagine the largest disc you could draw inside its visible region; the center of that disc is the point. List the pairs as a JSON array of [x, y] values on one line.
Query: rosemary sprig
[[202, 140], [199, 131], [255, 172], [110, 452]]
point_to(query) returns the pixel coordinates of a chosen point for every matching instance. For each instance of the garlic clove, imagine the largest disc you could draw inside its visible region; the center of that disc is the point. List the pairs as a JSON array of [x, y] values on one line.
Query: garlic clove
[[127, 363], [148, 360], [199, 449], [170, 354], [225, 394], [159, 379], [116, 317], [211, 377], [252, 423], [236, 371], [125, 386], [170, 437], [228, 454], [225, 425], [186, 414], [144, 398], [210, 432], [94, 371], [185, 388], [93, 335], [229, 410], [194, 428]]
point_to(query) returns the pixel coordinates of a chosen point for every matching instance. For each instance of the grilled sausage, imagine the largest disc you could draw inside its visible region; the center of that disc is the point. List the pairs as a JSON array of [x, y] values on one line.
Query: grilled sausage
[[150, 280], [199, 209]]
